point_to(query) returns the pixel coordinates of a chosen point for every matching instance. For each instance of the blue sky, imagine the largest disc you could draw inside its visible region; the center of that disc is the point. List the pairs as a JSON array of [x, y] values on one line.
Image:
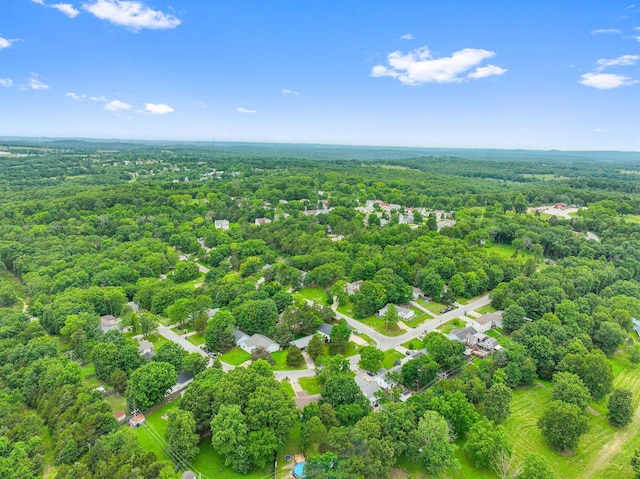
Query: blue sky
[[518, 74]]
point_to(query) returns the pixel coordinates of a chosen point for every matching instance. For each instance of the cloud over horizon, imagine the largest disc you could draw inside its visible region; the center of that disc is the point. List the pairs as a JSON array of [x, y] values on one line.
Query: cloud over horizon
[[117, 105], [130, 14], [5, 43], [245, 110], [419, 66], [157, 109], [605, 81], [68, 9]]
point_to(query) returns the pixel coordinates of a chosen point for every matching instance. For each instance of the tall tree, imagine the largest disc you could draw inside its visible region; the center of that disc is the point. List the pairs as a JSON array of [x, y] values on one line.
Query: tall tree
[[562, 425], [219, 332], [181, 434], [370, 358], [148, 385], [497, 405], [620, 407], [431, 444], [486, 442]]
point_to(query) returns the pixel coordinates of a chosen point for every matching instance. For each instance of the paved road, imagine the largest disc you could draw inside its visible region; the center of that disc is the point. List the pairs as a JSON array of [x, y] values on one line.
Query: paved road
[[171, 335], [388, 342]]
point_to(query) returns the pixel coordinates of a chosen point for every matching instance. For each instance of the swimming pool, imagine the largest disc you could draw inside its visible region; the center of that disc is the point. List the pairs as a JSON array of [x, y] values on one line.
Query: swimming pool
[[298, 470]]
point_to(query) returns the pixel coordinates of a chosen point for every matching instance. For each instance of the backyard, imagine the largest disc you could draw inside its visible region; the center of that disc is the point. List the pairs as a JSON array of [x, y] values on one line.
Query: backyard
[[235, 356]]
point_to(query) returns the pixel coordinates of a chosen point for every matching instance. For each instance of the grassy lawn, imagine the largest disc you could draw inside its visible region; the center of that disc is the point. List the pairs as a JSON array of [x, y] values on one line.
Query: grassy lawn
[[280, 357], [346, 309], [449, 325], [526, 408], [291, 448], [316, 295], [288, 389], [435, 308], [486, 309], [157, 340], [632, 219], [415, 342], [367, 339], [211, 464], [196, 339], [235, 356], [389, 357], [310, 385], [461, 300], [146, 437], [507, 251], [418, 318], [379, 325]]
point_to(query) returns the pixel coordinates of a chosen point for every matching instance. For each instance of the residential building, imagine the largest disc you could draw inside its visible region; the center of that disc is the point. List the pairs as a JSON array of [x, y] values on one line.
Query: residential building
[[325, 330], [260, 340], [403, 313], [262, 221], [137, 421], [302, 343], [221, 224], [146, 349], [239, 337], [485, 322], [108, 322], [353, 288]]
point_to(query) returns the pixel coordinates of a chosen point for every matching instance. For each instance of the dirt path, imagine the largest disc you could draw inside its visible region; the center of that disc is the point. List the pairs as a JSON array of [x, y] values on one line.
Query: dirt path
[[25, 306], [613, 447]]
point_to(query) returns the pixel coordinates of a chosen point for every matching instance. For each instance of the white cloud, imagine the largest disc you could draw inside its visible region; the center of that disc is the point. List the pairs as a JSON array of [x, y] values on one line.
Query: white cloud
[[605, 81], [75, 96], [600, 31], [5, 43], [157, 109], [68, 9], [36, 84], [408, 36], [621, 61], [419, 66], [131, 14], [489, 70], [117, 105], [286, 91], [6, 82], [244, 110], [600, 130]]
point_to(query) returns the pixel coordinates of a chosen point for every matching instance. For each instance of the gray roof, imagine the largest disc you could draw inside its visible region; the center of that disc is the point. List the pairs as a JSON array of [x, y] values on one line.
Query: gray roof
[[212, 312], [465, 334], [368, 388], [301, 342], [325, 329], [144, 344], [239, 336], [260, 340], [489, 318]]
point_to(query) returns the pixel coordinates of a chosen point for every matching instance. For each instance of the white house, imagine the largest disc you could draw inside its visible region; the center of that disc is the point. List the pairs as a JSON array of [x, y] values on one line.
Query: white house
[[403, 313], [222, 224], [485, 322], [260, 340], [262, 221], [353, 288], [108, 322]]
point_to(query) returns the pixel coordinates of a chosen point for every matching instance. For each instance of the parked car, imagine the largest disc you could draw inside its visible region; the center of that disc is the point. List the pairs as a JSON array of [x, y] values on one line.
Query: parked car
[[447, 309], [371, 374]]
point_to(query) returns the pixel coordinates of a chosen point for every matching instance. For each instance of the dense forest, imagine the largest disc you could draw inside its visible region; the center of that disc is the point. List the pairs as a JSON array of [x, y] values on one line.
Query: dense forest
[[108, 247]]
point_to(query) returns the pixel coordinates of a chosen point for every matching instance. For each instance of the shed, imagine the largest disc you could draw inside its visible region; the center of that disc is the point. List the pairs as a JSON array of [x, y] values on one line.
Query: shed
[[137, 421]]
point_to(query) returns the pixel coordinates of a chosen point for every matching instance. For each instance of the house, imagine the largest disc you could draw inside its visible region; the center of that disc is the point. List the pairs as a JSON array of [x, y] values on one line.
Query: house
[[325, 330], [368, 389], [260, 340], [221, 224], [239, 337], [301, 343], [403, 313], [121, 417], [145, 348], [560, 206], [262, 221], [108, 322], [485, 322], [212, 312], [466, 335], [137, 421], [353, 288], [636, 326]]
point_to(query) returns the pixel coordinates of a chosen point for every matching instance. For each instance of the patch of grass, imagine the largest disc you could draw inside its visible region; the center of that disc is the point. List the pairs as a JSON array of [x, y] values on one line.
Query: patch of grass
[[389, 357], [288, 389], [280, 357], [434, 307], [310, 384], [417, 344], [194, 282], [461, 300], [352, 349], [316, 295], [449, 325], [235, 356], [487, 308], [367, 339], [507, 251], [118, 403], [157, 340], [196, 339], [292, 447], [346, 309], [146, 436], [632, 219], [211, 464], [379, 325], [527, 407]]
